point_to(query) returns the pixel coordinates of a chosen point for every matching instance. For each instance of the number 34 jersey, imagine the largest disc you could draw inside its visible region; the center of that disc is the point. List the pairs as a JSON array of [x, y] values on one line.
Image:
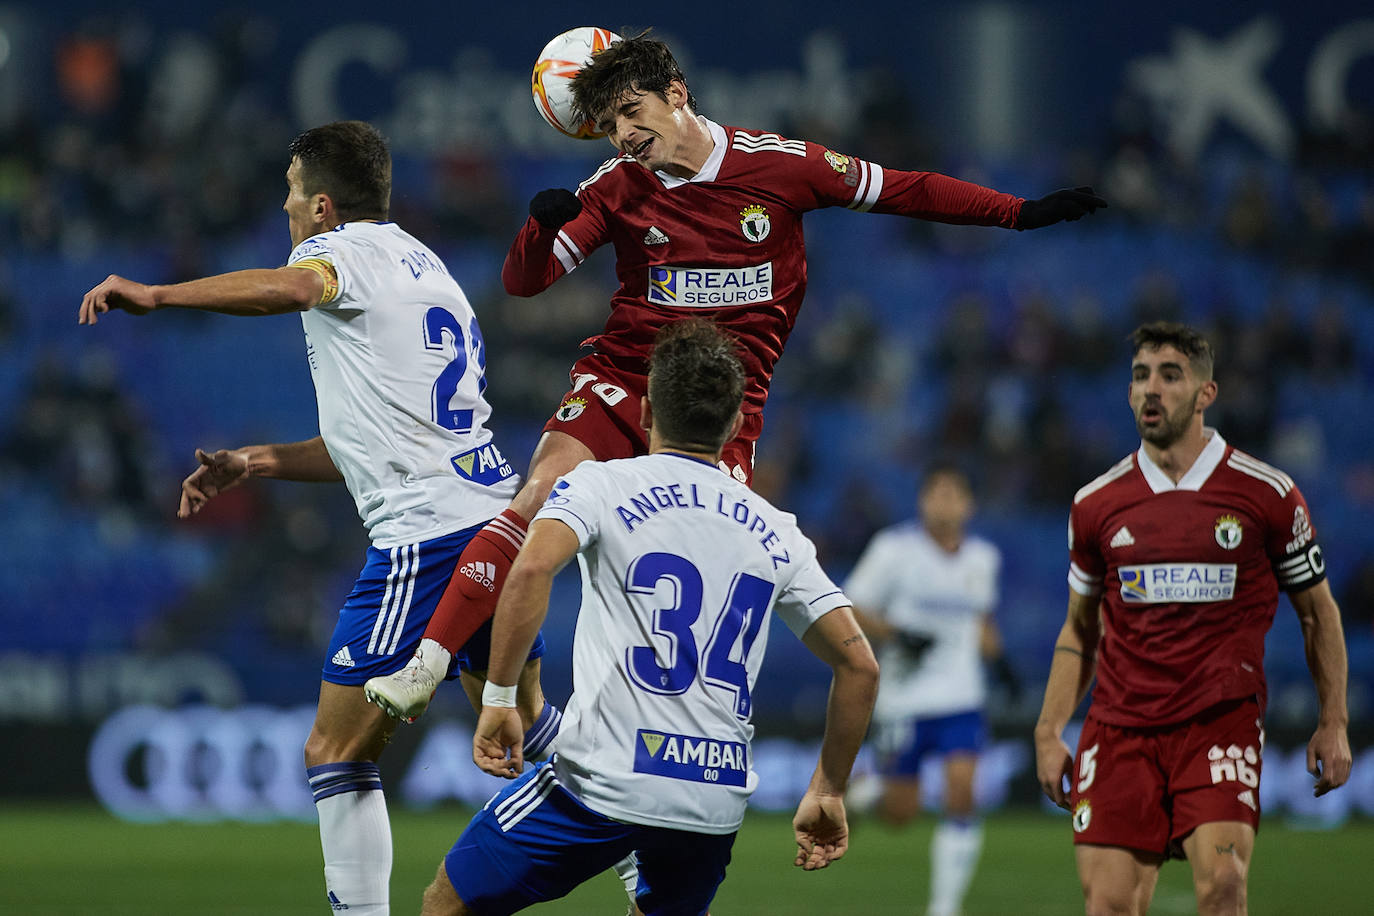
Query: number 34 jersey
[[1189, 576], [398, 365], [681, 566]]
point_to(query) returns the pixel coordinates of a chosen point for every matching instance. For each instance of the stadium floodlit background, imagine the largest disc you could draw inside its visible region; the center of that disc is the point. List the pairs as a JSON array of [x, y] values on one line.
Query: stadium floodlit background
[[167, 669]]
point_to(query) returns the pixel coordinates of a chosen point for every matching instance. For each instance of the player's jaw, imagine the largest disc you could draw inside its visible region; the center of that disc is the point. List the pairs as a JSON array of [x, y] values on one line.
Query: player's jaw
[[1158, 426]]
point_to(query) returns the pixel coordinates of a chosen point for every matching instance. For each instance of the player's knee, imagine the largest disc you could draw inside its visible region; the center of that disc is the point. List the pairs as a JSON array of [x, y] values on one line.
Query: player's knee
[[1104, 898], [1221, 886]]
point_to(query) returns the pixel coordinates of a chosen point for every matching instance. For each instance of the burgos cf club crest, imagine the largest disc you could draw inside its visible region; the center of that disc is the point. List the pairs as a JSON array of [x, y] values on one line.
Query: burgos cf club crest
[[571, 409], [753, 222], [1228, 532]]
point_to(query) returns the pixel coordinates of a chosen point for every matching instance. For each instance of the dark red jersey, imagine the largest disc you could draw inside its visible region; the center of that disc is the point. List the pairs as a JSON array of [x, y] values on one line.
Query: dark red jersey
[[728, 244], [1189, 576]]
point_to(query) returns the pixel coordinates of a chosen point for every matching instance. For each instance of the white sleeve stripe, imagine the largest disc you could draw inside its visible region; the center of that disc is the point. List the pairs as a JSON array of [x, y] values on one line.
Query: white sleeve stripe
[[1281, 482], [605, 167], [1121, 467], [566, 253], [1292, 562], [1076, 570], [1299, 577], [1083, 588], [870, 186]]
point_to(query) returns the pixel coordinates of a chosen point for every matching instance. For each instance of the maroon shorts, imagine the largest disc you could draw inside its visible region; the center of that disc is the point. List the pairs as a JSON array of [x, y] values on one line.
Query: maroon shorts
[[1149, 788], [602, 412]]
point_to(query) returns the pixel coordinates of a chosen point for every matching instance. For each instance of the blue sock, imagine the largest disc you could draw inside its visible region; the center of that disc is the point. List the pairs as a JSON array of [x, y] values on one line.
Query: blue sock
[[542, 732]]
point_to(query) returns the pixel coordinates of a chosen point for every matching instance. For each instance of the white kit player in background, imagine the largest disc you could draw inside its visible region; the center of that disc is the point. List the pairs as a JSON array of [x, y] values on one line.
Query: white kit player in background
[[397, 361], [681, 568], [925, 592]]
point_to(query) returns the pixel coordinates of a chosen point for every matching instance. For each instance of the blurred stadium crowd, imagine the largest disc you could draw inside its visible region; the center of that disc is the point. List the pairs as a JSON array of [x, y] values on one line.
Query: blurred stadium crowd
[[1005, 352]]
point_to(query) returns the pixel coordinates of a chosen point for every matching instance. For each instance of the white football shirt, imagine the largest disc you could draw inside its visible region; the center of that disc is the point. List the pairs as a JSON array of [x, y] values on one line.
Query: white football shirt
[[681, 566], [911, 582], [398, 364]]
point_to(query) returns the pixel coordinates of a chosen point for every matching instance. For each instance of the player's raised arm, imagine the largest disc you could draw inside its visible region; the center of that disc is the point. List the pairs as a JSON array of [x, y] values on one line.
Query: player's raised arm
[[820, 825], [532, 264], [1328, 753], [241, 292]]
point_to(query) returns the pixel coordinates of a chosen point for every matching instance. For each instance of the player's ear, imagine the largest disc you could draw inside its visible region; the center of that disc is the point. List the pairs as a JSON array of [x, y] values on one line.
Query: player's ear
[[677, 94], [322, 209], [1207, 394], [736, 425], [646, 414]]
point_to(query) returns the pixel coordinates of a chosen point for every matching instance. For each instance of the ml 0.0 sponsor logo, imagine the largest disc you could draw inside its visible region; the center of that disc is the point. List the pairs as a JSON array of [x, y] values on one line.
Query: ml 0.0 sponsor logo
[[149, 763]]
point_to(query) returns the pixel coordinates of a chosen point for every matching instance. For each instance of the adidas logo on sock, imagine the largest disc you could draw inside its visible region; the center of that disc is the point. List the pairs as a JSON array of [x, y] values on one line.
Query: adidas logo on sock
[[1122, 538], [655, 236], [334, 902], [481, 572], [343, 658]]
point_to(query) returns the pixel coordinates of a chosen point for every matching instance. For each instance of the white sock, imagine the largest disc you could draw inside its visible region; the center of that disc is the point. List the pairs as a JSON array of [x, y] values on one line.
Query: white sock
[[354, 835], [954, 851], [628, 872], [433, 656]]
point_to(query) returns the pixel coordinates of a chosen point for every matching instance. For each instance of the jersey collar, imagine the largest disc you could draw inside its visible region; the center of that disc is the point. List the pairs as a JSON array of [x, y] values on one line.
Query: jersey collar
[[711, 169], [1196, 476]]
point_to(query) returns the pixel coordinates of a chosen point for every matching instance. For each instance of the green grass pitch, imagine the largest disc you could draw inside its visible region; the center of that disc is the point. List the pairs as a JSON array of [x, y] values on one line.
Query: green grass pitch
[[78, 860]]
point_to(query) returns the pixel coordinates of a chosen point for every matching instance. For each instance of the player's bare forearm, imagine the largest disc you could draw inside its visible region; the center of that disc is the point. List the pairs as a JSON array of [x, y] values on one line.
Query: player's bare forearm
[[837, 640], [524, 601], [246, 292], [1071, 669], [308, 461], [1324, 644]]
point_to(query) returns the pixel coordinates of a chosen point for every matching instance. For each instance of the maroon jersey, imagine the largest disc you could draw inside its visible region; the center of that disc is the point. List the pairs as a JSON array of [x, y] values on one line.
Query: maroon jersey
[[727, 244], [1189, 576]]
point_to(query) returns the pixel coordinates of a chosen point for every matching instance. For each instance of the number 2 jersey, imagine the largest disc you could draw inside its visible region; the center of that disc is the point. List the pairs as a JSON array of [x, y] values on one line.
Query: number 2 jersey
[[727, 244], [397, 360], [681, 568], [1189, 575]]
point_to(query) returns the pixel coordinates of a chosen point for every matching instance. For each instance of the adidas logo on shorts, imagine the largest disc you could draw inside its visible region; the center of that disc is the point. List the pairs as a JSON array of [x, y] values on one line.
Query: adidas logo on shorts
[[343, 658], [482, 573]]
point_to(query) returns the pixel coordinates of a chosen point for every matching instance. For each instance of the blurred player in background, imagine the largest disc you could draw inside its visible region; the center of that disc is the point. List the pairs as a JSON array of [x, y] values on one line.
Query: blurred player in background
[[397, 360], [1177, 555], [682, 568], [925, 591], [704, 220]]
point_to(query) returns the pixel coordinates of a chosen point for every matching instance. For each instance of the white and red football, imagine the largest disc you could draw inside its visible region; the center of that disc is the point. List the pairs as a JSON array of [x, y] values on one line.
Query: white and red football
[[558, 63]]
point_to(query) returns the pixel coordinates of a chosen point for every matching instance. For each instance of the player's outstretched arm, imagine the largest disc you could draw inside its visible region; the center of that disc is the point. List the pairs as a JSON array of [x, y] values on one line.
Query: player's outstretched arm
[[1068, 204], [820, 826], [242, 292], [1328, 753], [220, 470], [1071, 672]]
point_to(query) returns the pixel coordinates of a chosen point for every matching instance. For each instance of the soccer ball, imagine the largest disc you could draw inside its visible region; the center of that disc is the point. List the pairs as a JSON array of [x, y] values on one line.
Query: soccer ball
[[558, 63]]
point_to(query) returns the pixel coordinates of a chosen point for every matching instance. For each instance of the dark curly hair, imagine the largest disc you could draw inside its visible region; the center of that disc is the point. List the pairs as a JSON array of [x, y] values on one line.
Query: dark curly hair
[[1186, 340]]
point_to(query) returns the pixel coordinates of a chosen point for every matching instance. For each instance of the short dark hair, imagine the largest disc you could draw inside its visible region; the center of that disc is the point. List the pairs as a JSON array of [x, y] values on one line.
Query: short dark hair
[[1187, 340], [349, 161], [638, 62], [696, 384]]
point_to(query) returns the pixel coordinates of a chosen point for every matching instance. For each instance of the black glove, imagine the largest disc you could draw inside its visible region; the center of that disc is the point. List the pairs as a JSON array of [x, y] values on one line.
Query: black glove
[[914, 643], [1006, 677], [554, 207], [1061, 205]]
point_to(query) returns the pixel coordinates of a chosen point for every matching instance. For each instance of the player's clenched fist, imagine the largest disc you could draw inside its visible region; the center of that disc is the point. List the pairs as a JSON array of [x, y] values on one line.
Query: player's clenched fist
[[116, 292]]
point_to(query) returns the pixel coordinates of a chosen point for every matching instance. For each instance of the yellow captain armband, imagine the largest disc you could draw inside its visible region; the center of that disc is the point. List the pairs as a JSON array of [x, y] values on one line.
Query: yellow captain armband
[[327, 274]]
